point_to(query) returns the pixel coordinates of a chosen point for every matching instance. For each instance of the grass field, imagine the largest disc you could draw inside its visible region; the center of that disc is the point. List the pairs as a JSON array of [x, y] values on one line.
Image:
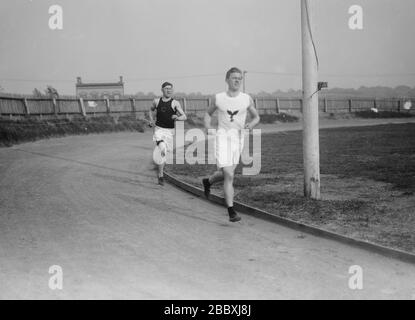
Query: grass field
[[31, 129], [368, 114], [367, 182], [196, 119]]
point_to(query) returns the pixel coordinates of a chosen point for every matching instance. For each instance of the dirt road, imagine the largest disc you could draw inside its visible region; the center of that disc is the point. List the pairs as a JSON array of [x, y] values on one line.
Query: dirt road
[[91, 205]]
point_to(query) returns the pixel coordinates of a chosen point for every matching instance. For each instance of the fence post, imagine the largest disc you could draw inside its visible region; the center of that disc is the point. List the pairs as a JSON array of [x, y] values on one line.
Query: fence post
[[82, 107], [325, 105], [184, 105], [399, 105], [374, 104], [278, 105], [256, 103], [301, 105], [350, 105], [55, 107], [107, 103], [26, 108], [133, 110]]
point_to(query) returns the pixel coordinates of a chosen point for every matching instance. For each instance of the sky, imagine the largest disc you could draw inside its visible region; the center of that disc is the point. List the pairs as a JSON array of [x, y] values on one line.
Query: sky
[[192, 43]]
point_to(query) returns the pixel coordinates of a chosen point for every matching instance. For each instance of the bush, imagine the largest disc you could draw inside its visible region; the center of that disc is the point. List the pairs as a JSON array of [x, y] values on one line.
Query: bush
[[369, 114], [280, 117], [15, 131]]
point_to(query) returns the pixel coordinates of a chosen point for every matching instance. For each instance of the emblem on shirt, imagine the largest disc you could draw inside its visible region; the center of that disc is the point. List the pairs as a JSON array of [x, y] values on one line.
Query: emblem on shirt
[[232, 114]]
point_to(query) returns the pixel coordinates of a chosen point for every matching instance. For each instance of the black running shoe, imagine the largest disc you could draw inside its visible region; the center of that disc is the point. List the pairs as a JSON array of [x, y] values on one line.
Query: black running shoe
[[161, 181], [206, 186], [233, 216]]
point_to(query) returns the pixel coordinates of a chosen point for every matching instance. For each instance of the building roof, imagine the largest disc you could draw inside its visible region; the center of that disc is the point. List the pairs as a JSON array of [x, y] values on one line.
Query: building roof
[[80, 84], [85, 85]]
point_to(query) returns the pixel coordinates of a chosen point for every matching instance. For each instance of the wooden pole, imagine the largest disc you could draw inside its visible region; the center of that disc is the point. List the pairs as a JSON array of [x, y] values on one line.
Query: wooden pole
[[311, 149], [132, 101], [26, 107], [107, 103], [55, 106], [82, 107], [184, 105]]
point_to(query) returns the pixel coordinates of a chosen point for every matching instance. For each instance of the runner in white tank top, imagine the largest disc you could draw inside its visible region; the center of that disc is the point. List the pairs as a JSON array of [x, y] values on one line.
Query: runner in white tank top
[[232, 110], [229, 139], [232, 107]]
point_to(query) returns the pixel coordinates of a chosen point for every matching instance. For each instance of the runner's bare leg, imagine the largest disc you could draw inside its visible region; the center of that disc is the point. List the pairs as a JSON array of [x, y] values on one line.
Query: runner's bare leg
[[228, 173]]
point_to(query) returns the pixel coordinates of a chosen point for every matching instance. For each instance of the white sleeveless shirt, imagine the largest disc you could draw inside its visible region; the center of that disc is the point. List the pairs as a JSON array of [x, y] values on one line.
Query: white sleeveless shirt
[[232, 110]]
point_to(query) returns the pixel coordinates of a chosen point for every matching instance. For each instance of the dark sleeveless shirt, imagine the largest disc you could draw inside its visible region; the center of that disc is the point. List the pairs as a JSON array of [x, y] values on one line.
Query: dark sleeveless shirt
[[164, 114]]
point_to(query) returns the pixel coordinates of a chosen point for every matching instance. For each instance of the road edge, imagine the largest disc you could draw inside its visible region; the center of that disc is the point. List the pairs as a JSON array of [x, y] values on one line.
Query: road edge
[[264, 215]]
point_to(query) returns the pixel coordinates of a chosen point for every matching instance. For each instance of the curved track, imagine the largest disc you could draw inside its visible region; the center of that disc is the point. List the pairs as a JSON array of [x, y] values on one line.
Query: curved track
[[91, 205]]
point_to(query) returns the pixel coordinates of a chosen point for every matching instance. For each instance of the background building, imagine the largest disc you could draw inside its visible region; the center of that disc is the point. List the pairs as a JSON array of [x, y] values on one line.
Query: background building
[[110, 90]]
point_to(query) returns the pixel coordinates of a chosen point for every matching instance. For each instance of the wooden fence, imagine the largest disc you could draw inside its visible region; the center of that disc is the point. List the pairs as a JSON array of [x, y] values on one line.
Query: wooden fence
[[44, 107]]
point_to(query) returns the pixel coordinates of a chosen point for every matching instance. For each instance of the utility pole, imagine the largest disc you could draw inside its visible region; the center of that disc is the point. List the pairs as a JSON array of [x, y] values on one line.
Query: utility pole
[[243, 83], [311, 149]]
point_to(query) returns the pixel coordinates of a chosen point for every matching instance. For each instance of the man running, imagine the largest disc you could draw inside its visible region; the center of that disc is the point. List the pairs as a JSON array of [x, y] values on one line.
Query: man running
[[232, 107], [168, 111]]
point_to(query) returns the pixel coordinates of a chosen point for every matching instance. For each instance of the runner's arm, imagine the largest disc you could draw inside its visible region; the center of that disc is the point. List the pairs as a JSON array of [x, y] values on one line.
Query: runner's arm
[[208, 115], [152, 109], [254, 115], [181, 115]]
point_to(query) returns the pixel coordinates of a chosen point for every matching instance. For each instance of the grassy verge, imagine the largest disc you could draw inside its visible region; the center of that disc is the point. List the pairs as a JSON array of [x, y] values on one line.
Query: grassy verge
[[195, 120], [280, 117], [367, 182], [368, 114], [17, 131]]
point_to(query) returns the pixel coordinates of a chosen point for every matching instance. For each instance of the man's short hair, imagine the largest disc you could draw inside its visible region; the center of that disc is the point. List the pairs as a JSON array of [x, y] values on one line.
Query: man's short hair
[[165, 84], [232, 70]]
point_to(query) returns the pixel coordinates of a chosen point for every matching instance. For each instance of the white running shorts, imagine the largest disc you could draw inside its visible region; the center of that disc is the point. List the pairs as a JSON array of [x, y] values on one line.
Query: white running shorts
[[164, 134], [228, 147]]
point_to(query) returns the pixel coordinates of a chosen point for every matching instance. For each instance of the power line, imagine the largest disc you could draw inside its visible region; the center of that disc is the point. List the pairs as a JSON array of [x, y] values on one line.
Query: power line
[[311, 34], [177, 77], [369, 75], [275, 73], [338, 74], [282, 74], [127, 78], [35, 80]]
